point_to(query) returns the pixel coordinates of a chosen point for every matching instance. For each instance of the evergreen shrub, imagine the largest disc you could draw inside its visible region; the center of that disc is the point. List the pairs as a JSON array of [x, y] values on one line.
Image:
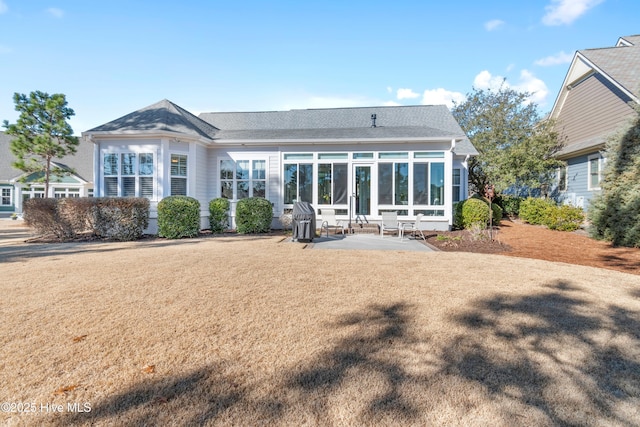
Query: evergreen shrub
[[178, 216], [218, 215], [254, 215]]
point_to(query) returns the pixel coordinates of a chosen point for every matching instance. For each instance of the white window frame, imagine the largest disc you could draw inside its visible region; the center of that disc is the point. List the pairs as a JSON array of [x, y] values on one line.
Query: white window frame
[[64, 192], [234, 180], [456, 188], [600, 163], [119, 175], [3, 197], [184, 177], [564, 187]]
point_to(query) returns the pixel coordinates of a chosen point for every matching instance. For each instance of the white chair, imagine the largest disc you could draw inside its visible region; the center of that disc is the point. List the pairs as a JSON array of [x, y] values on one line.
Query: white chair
[[413, 228], [389, 223], [329, 221]]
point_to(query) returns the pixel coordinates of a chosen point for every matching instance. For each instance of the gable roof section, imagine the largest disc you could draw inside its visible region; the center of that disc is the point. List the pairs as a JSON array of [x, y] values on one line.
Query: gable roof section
[[619, 64], [163, 116], [617, 68], [81, 162]]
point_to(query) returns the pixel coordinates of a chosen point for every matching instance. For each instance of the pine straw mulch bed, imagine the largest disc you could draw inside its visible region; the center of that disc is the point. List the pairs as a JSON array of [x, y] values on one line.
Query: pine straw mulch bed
[[514, 238]]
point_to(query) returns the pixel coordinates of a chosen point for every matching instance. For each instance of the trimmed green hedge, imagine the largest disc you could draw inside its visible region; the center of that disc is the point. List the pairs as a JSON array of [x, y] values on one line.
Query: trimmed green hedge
[[546, 212], [178, 216], [475, 210], [219, 215], [253, 215]]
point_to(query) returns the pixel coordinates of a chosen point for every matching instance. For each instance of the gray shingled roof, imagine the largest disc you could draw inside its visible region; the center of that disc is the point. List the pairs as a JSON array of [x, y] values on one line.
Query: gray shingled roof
[[407, 122], [163, 116], [81, 162], [402, 122], [621, 63]]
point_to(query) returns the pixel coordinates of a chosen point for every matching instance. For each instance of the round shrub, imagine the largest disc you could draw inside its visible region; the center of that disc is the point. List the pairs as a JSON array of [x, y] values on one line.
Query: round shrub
[[475, 210], [178, 216], [218, 215], [535, 211], [564, 218], [253, 215]]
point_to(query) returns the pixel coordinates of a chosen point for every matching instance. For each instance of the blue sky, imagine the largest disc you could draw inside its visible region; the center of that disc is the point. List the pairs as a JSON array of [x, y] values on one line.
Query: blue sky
[[112, 57]]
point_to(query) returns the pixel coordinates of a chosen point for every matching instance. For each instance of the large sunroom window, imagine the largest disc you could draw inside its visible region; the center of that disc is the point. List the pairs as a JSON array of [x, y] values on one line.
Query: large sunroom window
[[298, 182], [332, 183], [428, 184], [393, 183]]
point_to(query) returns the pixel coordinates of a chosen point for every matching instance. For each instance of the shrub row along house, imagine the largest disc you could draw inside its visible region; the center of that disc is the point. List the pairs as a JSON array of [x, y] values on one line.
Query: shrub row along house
[[357, 161], [596, 100], [17, 186]]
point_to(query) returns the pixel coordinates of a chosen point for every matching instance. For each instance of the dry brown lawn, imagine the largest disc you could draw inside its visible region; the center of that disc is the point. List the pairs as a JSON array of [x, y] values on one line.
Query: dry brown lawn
[[255, 331]]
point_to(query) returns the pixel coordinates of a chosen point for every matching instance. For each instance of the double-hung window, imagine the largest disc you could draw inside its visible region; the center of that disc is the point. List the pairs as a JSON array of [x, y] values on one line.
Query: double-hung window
[[456, 185], [128, 174], [178, 174], [243, 178], [595, 171], [562, 178], [5, 197]]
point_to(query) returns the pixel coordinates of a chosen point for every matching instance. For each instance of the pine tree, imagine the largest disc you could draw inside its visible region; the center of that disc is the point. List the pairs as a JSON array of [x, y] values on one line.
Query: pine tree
[[41, 134]]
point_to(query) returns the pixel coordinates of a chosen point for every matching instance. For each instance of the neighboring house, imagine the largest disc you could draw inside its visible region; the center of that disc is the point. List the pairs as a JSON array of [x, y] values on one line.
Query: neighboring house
[[358, 161], [595, 101], [16, 186]]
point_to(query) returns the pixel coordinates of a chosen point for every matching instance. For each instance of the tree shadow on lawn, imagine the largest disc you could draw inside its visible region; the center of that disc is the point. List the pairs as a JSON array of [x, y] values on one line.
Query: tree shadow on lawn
[[27, 251], [198, 397], [553, 355], [365, 354], [573, 361]]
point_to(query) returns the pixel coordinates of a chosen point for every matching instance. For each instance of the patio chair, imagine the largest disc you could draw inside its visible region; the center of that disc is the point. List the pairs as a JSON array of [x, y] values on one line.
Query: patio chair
[[329, 221], [413, 228], [389, 223]]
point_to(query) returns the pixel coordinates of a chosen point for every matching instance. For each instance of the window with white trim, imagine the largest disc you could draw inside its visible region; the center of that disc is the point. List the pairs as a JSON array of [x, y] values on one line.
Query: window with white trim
[[6, 196], [298, 178], [456, 185], [178, 174], [562, 178], [243, 178], [128, 175], [594, 171], [61, 193]]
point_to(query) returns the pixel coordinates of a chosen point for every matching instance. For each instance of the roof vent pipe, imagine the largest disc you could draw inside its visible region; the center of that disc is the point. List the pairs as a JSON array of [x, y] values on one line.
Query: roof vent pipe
[[373, 120]]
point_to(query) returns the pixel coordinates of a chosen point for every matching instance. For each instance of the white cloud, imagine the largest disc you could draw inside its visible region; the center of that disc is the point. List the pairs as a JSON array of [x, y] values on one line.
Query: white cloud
[[391, 104], [55, 12], [530, 83], [557, 59], [526, 83], [3, 7], [564, 12], [484, 80], [389, 89], [4, 49], [407, 94], [442, 96], [494, 24]]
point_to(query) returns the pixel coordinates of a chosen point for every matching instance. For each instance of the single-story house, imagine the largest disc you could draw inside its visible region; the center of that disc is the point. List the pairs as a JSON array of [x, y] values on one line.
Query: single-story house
[[357, 161], [16, 185], [595, 101]]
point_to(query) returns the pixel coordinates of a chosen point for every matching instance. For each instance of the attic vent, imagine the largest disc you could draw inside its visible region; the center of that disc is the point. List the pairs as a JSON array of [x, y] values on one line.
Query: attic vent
[[373, 120]]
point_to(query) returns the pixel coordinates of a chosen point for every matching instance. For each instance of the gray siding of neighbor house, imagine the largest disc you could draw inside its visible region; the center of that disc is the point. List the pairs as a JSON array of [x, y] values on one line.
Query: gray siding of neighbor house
[[594, 108], [577, 192]]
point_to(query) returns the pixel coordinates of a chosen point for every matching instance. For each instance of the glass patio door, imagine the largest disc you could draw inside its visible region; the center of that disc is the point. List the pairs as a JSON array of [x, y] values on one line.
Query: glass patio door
[[362, 181]]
